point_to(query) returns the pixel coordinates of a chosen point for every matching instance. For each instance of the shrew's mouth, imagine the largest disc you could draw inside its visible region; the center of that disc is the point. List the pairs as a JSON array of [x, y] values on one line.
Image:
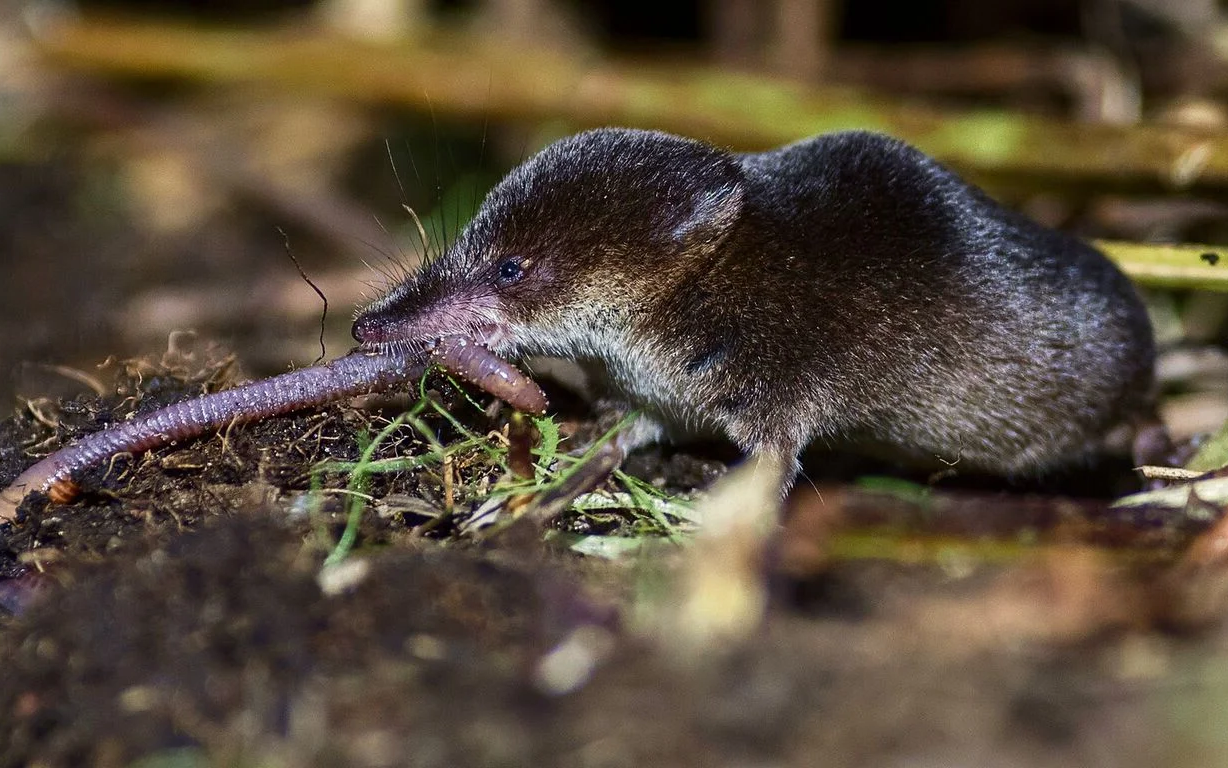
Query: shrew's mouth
[[492, 335], [489, 335]]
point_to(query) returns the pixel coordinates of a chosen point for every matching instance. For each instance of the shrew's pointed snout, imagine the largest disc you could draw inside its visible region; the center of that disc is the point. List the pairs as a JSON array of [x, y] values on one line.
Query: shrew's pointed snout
[[417, 314], [367, 329], [397, 316], [377, 325]]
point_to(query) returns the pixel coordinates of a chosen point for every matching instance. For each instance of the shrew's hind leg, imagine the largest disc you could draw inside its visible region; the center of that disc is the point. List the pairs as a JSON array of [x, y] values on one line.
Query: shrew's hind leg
[[782, 457]]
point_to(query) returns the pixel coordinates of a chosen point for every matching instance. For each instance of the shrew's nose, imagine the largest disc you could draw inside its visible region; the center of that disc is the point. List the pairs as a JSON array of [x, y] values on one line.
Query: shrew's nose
[[369, 328]]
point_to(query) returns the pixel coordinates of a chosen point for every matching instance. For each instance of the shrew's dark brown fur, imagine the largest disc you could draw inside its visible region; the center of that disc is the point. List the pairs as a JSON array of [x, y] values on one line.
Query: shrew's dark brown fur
[[846, 288]]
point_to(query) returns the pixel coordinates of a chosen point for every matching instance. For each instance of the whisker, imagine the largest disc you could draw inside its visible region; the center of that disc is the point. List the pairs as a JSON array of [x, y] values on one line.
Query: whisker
[[421, 230], [395, 173]]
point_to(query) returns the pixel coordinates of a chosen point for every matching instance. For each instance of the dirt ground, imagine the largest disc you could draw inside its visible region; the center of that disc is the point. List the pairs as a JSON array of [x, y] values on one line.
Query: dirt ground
[[179, 614]]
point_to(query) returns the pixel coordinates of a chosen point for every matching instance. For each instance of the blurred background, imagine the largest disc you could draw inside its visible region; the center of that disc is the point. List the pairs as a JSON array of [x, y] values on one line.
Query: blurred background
[[159, 161]]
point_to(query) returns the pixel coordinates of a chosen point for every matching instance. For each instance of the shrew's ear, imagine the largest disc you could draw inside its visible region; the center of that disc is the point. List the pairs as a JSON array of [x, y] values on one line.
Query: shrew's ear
[[711, 212]]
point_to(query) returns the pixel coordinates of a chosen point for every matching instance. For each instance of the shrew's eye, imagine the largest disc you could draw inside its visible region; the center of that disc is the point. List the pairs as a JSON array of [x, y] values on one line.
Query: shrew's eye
[[510, 271]]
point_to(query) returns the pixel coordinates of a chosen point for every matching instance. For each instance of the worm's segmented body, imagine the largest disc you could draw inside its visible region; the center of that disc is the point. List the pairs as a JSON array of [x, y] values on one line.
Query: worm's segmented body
[[353, 374], [479, 366]]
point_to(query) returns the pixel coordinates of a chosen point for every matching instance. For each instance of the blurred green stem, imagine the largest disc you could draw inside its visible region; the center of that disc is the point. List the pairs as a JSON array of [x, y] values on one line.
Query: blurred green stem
[[484, 77]]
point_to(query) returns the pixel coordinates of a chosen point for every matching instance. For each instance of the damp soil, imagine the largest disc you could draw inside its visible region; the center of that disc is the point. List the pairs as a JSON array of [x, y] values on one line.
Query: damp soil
[[180, 613]]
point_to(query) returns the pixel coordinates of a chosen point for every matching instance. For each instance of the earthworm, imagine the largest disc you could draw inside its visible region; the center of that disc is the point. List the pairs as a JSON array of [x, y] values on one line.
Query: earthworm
[[346, 376], [353, 374], [476, 364]]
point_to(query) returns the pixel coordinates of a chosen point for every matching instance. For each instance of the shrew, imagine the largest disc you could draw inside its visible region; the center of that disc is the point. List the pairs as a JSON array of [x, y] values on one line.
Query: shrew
[[846, 289]]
